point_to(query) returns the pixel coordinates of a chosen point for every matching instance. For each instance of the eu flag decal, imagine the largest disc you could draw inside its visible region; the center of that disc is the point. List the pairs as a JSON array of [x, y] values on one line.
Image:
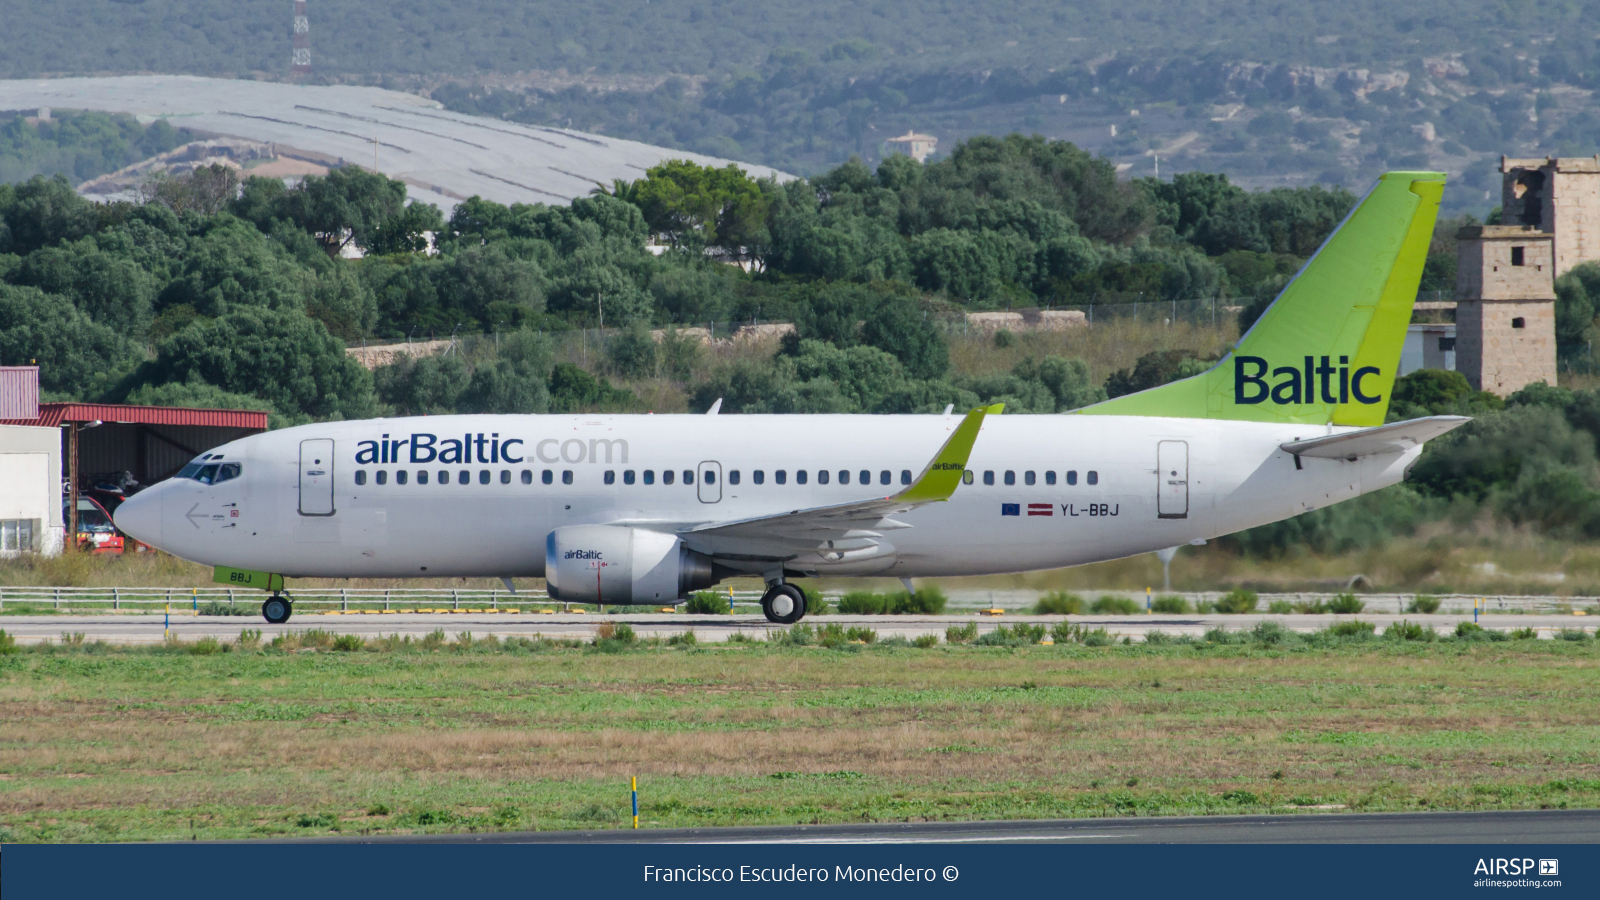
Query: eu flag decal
[[1010, 509]]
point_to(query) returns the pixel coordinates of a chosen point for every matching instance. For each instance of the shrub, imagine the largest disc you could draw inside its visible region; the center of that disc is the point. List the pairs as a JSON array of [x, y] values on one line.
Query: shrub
[[250, 639], [924, 641], [1221, 635], [860, 633], [794, 636], [1205, 607], [1157, 637], [863, 603], [816, 604], [206, 646], [1524, 634], [1067, 632], [1019, 635], [1573, 634], [961, 634], [739, 637], [1031, 634], [1424, 604], [1171, 604], [926, 601], [378, 809], [1280, 607], [433, 640], [1346, 605], [1409, 631], [706, 603], [1120, 606], [1238, 601], [1058, 603], [347, 643], [624, 633], [1352, 629], [687, 639], [1469, 631], [1270, 632], [8, 643], [1311, 607], [1098, 638], [214, 608]]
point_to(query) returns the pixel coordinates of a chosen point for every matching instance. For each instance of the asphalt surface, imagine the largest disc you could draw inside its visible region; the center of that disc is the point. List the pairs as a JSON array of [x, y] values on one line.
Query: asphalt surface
[[1576, 826], [148, 628]]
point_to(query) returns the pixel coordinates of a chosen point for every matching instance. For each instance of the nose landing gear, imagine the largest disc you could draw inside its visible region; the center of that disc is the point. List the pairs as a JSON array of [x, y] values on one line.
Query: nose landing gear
[[783, 604], [277, 609]]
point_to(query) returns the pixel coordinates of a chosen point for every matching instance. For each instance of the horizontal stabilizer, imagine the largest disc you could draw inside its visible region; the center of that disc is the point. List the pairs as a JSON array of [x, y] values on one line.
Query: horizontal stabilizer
[[1396, 437]]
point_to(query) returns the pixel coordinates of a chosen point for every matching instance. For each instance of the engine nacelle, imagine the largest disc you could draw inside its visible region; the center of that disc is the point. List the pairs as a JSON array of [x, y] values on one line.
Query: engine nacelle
[[615, 564]]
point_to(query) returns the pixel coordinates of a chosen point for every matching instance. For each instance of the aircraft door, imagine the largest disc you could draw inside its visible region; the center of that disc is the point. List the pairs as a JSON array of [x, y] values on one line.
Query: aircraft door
[[316, 477], [710, 482], [1172, 479]]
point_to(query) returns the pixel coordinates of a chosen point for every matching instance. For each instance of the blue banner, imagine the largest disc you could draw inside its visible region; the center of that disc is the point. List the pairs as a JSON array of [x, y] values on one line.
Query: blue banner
[[247, 871]]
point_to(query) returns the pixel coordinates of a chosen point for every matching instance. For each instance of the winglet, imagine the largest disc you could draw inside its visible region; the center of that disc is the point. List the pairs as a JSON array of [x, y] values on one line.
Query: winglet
[[938, 481]]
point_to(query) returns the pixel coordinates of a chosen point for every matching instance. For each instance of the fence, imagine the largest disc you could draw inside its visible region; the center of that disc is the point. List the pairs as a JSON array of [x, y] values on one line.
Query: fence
[[118, 598]]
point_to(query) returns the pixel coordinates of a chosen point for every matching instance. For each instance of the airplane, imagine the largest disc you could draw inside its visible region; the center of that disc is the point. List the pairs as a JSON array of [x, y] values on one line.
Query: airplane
[[644, 509]]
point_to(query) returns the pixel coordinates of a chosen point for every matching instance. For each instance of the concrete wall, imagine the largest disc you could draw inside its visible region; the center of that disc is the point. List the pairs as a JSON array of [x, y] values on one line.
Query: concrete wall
[[30, 489]]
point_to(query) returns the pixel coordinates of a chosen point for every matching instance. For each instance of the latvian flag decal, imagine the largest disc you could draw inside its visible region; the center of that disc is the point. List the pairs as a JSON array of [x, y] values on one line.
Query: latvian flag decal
[[1041, 509]]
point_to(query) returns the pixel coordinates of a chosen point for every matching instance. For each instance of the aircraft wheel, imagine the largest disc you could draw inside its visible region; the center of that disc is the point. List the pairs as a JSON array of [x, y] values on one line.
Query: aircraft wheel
[[276, 610], [783, 604]]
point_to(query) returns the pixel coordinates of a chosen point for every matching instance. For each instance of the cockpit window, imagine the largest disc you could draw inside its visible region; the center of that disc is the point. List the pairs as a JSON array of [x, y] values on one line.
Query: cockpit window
[[211, 472], [228, 472], [206, 475]]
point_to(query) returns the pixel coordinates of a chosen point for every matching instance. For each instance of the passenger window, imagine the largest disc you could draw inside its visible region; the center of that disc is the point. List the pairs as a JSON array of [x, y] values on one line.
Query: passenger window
[[566, 476], [733, 476], [800, 477], [444, 476], [483, 476], [688, 476], [1072, 476], [383, 477], [822, 477], [527, 476], [905, 476], [988, 477], [866, 477], [505, 476], [361, 476], [463, 477], [759, 476], [627, 476], [707, 477], [547, 477], [422, 476], [649, 476], [611, 477], [966, 477], [781, 476], [885, 476], [844, 476], [1027, 477], [1050, 477], [667, 475], [400, 477], [1011, 477], [1093, 477]]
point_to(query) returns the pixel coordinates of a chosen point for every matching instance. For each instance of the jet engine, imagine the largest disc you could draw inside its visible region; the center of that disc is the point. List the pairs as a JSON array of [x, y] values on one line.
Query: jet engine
[[615, 564]]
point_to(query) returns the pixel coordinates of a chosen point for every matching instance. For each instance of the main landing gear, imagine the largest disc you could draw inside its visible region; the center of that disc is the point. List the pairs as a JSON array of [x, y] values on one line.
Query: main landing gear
[[783, 604], [277, 609]]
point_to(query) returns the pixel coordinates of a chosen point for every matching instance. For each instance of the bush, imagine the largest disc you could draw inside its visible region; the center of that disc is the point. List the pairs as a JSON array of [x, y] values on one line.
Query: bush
[[794, 636], [706, 603], [1173, 605], [1098, 638], [1238, 601], [1221, 635], [1352, 628], [1280, 607], [1312, 607], [1524, 634], [816, 604], [1409, 631], [1019, 635], [1068, 632], [1424, 604], [1270, 632], [1119, 606], [961, 634], [687, 639], [347, 643], [618, 633], [924, 641], [1573, 634], [206, 646], [1058, 603], [927, 601], [8, 643], [215, 608], [250, 639], [863, 603], [924, 601], [1346, 605], [1469, 631]]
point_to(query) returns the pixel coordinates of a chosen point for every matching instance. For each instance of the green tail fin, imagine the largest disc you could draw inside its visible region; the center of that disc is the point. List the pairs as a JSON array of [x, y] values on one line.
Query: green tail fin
[[1327, 348]]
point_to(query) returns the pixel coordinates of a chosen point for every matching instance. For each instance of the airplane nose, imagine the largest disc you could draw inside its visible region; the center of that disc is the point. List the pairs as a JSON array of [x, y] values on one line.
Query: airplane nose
[[140, 516]]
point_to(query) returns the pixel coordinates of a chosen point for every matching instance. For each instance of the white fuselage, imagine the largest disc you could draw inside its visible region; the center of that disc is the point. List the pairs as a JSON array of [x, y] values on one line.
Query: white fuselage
[[328, 515]]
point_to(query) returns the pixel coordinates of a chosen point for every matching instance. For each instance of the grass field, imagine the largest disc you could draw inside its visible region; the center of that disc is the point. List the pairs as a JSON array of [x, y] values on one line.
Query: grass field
[[101, 743]]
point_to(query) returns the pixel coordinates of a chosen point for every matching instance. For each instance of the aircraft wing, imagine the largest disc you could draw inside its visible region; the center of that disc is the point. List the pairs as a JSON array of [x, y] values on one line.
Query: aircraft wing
[[785, 535], [1396, 437]]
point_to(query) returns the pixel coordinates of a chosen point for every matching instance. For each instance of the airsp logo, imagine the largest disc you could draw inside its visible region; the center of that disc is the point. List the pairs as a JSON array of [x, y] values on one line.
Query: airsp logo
[[1314, 381]]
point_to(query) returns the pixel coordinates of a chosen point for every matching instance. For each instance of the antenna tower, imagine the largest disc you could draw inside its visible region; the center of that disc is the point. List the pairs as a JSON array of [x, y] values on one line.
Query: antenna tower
[[300, 63]]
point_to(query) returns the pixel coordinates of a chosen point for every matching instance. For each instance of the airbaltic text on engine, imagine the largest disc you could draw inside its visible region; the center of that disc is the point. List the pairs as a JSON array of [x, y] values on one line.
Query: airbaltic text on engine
[[481, 448], [1299, 384]]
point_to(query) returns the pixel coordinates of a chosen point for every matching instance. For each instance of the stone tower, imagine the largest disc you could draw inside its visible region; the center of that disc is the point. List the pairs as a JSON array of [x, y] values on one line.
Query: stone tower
[[1558, 196], [1505, 305]]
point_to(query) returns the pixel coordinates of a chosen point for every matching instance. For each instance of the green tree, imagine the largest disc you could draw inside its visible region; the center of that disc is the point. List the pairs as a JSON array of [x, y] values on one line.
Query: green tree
[[77, 357], [701, 206], [903, 328]]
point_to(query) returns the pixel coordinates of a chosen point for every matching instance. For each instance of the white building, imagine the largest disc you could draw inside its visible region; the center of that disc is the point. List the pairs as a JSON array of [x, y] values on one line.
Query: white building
[[1429, 346], [30, 490]]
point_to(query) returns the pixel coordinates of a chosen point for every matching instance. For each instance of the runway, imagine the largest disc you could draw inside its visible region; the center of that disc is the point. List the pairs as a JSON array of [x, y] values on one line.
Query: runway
[[1578, 826], [148, 628]]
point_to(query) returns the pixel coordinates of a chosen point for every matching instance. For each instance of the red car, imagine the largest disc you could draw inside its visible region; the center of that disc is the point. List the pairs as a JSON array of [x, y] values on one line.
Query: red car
[[96, 533]]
